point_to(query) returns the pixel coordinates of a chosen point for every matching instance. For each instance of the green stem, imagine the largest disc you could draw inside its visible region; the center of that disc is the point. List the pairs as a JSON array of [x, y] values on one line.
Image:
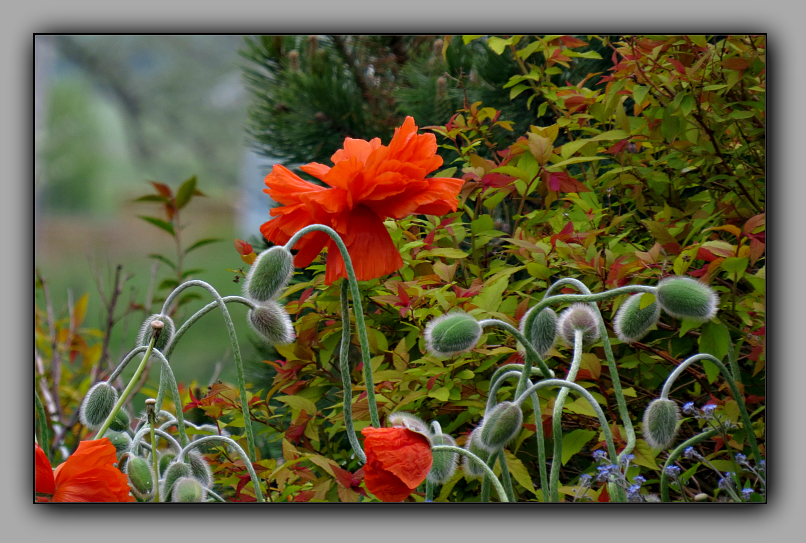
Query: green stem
[[531, 354], [255, 481], [505, 476], [138, 438], [127, 391], [734, 363], [674, 455], [154, 460], [489, 472], [611, 448], [751, 437], [168, 375], [429, 490], [556, 420], [359, 312], [236, 351], [344, 368], [42, 426]]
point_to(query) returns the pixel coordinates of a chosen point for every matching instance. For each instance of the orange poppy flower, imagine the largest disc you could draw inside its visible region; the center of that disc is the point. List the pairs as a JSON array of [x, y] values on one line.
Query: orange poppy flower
[[398, 460], [368, 182], [88, 475]]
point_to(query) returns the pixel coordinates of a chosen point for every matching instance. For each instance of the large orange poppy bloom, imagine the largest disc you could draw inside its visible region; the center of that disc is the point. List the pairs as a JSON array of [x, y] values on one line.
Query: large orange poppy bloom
[[368, 182], [88, 475], [398, 461]]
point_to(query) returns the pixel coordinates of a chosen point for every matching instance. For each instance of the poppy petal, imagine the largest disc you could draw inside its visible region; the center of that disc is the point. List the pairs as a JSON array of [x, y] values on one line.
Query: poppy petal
[[44, 482], [400, 451]]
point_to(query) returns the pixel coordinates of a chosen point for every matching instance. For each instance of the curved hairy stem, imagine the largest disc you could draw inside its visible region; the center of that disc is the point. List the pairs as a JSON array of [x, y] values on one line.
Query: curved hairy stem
[[489, 472], [674, 455], [748, 426], [531, 354], [358, 310], [236, 351], [255, 481], [344, 369], [138, 438], [167, 374]]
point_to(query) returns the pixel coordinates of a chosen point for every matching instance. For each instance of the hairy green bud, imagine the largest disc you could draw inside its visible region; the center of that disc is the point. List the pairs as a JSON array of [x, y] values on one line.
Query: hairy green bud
[[543, 330], [164, 335], [660, 423], [165, 461], [120, 440], [500, 426], [451, 334], [402, 419], [188, 489], [122, 421], [631, 322], [444, 463], [271, 321], [269, 274], [687, 298], [141, 478], [97, 404], [173, 473], [578, 316], [472, 469], [199, 468]]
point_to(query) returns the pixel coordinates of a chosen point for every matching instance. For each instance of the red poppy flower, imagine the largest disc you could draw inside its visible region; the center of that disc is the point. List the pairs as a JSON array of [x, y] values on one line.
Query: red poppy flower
[[88, 475], [368, 182], [398, 460]]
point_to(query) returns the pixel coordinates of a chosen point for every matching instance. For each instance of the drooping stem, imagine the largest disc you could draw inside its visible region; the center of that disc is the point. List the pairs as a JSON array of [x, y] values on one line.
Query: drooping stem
[[556, 420], [138, 438], [748, 427], [358, 310], [127, 390], [168, 376], [674, 455], [344, 368], [429, 490], [154, 460], [255, 481], [531, 354], [236, 352], [488, 472]]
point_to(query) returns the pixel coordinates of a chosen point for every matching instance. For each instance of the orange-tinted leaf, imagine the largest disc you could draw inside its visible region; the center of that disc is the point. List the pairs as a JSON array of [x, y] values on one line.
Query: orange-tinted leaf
[[163, 189], [735, 64]]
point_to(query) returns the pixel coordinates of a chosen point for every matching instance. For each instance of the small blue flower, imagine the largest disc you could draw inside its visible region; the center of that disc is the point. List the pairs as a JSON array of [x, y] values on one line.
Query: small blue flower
[[708, 410], [763, 465], [585, 479], [606, 472], [633, 490], [688, 408], [690, 453], [746, 493], [624, 460], [639, 480], [673, 471], [726, 482], [599, 455]]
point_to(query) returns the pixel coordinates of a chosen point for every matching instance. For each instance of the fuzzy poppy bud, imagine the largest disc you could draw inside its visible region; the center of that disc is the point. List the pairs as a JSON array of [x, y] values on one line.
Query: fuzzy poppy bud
[[173, 473], [188, 489], [141, 478], [402, 419], [199, 468], [500, 426], [444, 463], [122, 421], [631, 322], [451, 334], [543, 330], [578, 317], [120, 440], [164, 335], [472, 469], [660, 423], [269, 274], [97, 404], [165, 461], [271, 321], [687, 298]]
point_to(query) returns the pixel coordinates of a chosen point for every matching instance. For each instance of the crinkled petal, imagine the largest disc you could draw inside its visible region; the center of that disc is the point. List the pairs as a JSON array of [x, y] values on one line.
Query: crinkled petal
[[404, 453], [285, 187], [44, 481], [360, 149], [385, 485], [89, 475]]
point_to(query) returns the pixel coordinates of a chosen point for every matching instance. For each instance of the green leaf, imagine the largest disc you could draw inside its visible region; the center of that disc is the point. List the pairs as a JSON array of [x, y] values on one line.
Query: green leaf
[[446, 252], [185, 192], [159, 223], [574, 441], [153, 198], [298, 404], [469, 38], [497, 44], [576, 160], [714, 340], [735, 264], [639, 92], [516, 90], [644, 455], [163, 259], [519, 471], [202, 243], [647, 299], [442, 394], [490, 297]]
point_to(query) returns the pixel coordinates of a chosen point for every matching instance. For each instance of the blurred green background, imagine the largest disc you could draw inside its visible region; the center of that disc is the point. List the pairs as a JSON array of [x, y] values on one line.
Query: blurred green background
[[113, 113]]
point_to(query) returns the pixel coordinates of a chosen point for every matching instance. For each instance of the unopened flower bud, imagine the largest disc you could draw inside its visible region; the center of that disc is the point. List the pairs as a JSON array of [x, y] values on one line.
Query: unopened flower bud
[[269, 274], [141, 478], [578, 316], [687, 298], [164, 335], [199, 468], [188, 489], [271, 321], [443, 464], [402, 419], [500, 426], [451, 334], [660, 423], [97, 404], [631, 322], [120, 440], [472, 469], [122, 421], [165, 461], [175, 471], [543, 330]]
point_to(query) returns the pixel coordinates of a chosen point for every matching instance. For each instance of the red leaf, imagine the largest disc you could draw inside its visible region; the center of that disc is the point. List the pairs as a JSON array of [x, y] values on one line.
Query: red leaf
[[604, 497], [305, 496], [163, 189], [678, 66], [402, 294], [618, 147], [735, 64], [431, 381], [570, 42], [554, 182]]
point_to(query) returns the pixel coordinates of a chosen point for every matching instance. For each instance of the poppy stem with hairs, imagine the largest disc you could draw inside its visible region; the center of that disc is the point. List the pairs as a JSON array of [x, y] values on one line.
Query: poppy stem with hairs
[[359, 312], [154, 461], [125, 394], [344, 369], [202, 440], [236, 353], [489, 474]]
